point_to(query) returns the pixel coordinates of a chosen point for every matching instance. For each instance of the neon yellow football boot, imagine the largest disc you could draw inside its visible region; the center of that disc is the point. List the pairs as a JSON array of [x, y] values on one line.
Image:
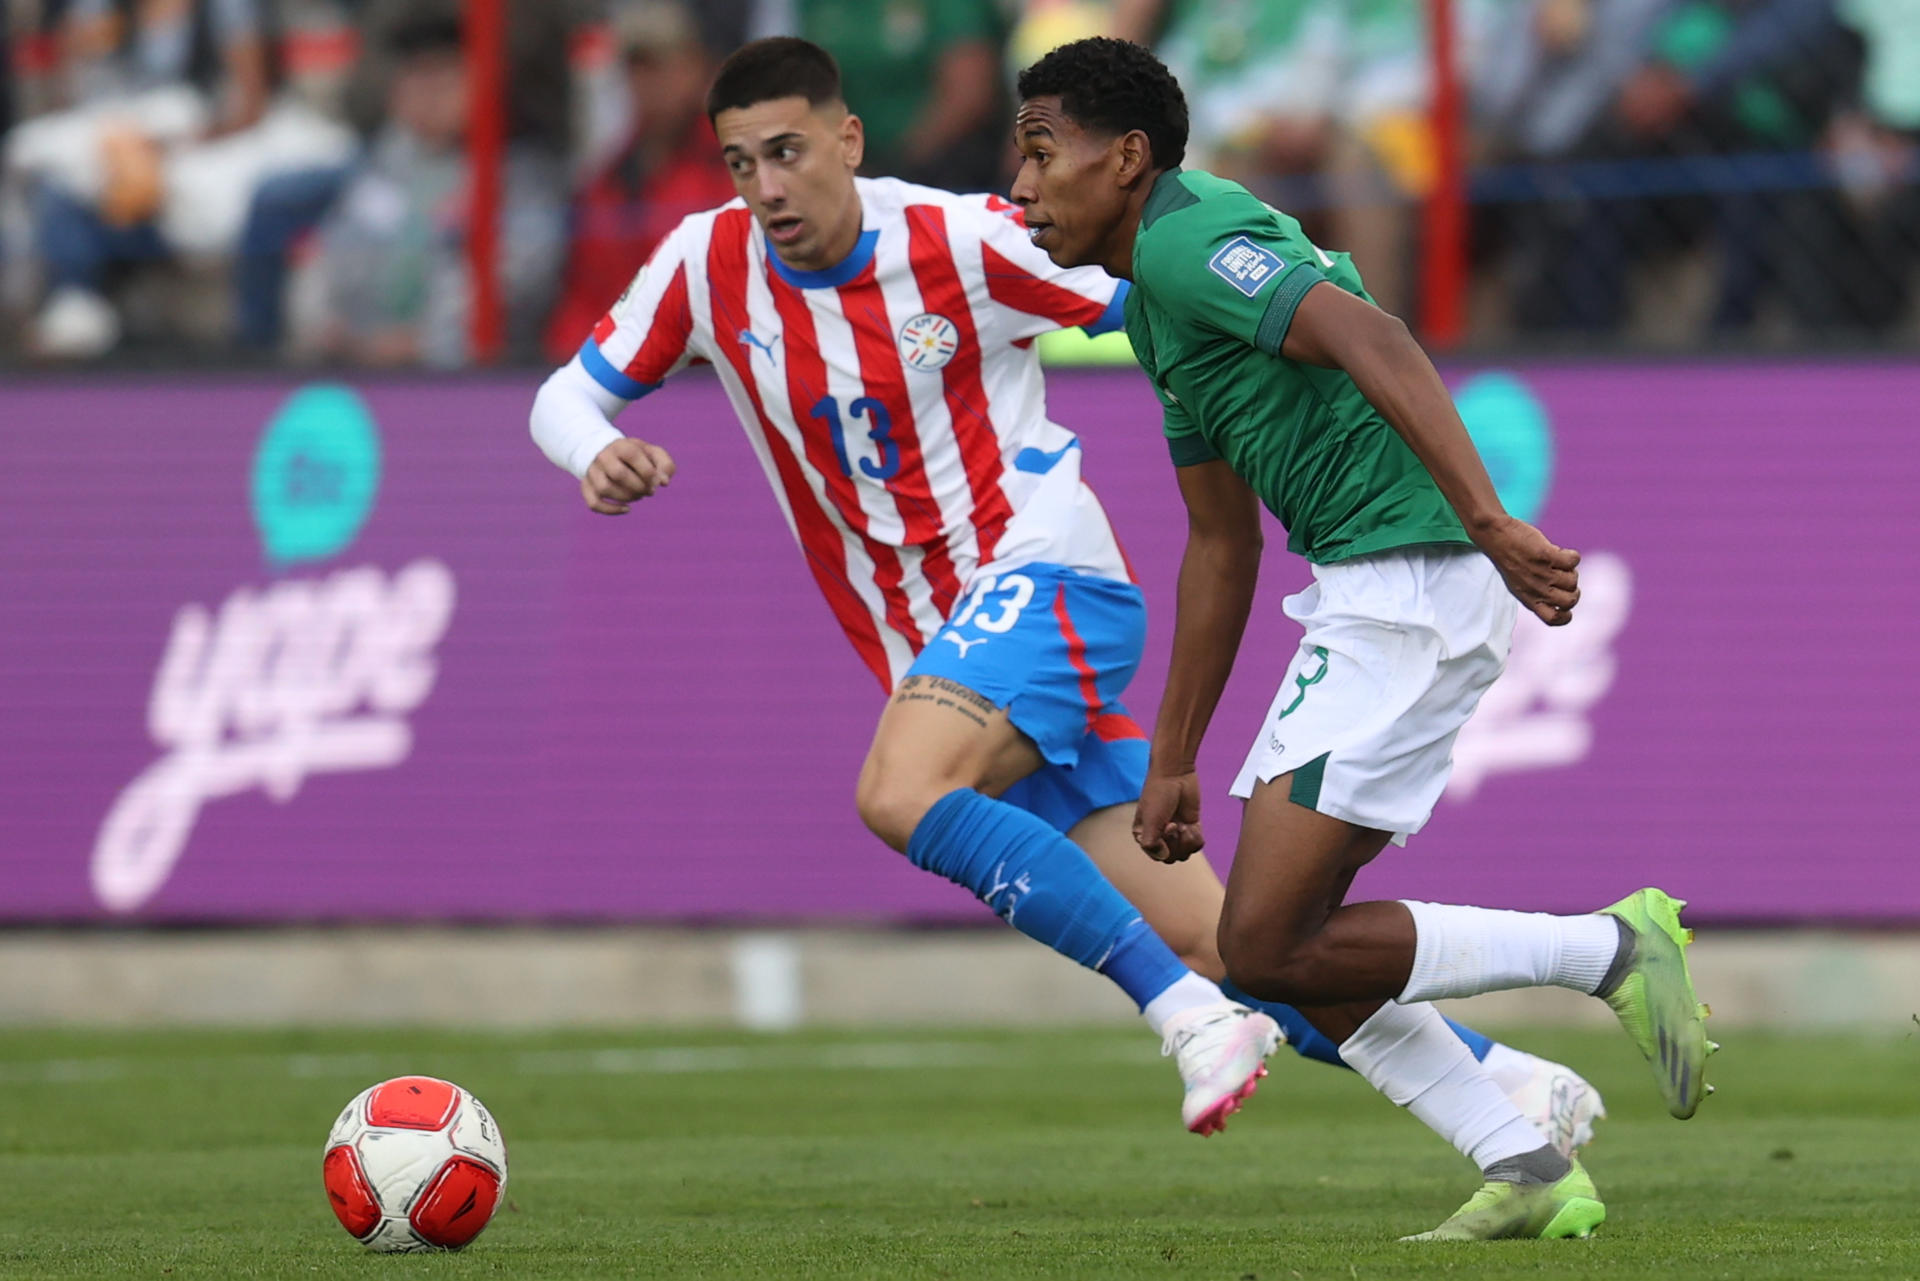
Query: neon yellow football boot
[[1655, 1002], [1569, 1208]]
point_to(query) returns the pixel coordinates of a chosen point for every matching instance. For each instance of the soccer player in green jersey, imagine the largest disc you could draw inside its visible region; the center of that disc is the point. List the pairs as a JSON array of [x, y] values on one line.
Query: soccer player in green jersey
[[1283, 384]]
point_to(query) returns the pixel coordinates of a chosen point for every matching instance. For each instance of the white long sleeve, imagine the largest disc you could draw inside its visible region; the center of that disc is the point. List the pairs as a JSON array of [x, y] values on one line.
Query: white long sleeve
[[573, 416]]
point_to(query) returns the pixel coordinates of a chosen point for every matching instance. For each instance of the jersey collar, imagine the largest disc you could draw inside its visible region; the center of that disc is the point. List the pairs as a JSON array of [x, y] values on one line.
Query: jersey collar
[[1166, 190], [828, 277]]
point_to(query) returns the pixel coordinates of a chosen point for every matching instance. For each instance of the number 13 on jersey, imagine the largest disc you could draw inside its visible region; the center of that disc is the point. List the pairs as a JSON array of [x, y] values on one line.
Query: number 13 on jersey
[[880, 433]]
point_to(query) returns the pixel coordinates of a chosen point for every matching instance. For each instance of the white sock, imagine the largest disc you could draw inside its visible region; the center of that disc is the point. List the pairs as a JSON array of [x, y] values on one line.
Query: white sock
[[1464, 951], [1409, 1054], [1188, 992]]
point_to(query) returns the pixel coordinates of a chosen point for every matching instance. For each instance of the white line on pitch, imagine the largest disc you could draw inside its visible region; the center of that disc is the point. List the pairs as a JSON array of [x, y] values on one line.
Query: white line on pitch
[[605, 1061]]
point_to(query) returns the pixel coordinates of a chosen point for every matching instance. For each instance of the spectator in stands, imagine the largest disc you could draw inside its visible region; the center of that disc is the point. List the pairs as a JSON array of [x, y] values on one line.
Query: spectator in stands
[[391, 281], [1322, 107], [1760, 79], [1873, 212], [1545, 93], [173, 124], [1262, 79], [924, 76], [1715, 77], [139, 77], [667, 169], [1385, 159], [539, 78], [1552, 70], [287, 208]]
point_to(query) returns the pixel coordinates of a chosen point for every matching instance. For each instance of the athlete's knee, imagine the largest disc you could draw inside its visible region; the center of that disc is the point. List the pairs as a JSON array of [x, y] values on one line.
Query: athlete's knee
[[1274, 965], [892, 801], [1268, 975]]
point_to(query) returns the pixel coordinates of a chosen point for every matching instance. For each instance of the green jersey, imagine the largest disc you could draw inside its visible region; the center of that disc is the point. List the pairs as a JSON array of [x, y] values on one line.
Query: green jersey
[[1217, 276]]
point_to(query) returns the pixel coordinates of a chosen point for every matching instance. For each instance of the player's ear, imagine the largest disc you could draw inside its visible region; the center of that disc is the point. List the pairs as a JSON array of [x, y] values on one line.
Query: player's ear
[[853, 141], [1135, 157]]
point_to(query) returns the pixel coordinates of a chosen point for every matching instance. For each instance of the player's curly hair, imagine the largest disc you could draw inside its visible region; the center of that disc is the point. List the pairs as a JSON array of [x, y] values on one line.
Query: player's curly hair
[[1115, 87]]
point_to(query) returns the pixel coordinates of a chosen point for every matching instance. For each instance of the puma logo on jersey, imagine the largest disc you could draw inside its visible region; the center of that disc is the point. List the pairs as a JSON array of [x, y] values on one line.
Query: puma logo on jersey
[[962, 644], [746, 338]]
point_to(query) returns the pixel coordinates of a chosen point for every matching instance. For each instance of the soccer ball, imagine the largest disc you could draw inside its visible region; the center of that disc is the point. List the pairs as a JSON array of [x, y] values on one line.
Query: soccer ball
[[414, 1163]]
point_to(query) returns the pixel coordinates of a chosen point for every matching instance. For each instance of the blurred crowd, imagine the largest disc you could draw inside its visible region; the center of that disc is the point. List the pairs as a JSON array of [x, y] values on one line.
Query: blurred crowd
[[289, 178]]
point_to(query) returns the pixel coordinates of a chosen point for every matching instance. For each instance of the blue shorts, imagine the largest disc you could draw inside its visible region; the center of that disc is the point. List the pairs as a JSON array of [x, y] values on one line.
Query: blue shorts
[[1055, 648]]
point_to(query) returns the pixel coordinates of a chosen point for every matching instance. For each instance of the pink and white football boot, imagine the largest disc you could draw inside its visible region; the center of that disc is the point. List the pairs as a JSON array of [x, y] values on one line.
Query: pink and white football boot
[[1222, 1052]]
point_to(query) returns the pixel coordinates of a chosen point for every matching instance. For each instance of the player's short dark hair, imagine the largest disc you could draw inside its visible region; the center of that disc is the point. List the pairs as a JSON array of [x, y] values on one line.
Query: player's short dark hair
[[777, 67], [1114, 87]]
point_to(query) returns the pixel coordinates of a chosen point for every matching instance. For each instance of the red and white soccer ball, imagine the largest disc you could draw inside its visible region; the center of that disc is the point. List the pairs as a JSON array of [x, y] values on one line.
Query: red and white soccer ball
[[415, 1163]]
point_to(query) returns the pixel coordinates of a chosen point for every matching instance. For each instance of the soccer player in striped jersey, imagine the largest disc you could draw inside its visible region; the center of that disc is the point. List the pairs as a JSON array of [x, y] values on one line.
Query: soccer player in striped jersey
[[874, 338], [1284, 386]]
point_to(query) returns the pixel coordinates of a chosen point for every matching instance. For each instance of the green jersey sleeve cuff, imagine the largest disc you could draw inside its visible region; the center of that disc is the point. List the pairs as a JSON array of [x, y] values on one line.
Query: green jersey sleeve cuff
[[1278, 317], [1190, 451]]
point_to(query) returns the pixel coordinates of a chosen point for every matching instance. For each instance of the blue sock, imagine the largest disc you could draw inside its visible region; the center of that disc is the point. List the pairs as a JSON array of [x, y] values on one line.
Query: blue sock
[[1307, 1040], [1475, 1041], [1310, 1042], [1045, 886], [1140, 962]]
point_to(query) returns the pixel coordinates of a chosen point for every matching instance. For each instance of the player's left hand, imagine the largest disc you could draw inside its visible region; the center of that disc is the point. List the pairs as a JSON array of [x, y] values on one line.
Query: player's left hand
[[1543, 577], [1166, 822]]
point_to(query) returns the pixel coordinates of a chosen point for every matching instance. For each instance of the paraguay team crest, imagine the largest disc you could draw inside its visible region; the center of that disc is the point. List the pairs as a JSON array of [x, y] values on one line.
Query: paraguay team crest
[[928, 341]]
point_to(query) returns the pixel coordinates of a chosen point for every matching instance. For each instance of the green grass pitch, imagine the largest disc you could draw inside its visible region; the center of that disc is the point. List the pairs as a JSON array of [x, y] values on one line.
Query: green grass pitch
[[956, 1154]]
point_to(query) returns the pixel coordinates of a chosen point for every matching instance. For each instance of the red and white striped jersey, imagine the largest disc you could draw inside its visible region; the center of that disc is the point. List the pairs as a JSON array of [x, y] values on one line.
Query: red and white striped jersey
[[895, 401]]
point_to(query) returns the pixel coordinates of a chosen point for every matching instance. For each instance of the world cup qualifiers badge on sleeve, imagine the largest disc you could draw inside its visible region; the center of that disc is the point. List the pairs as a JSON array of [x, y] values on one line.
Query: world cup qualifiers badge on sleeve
[[1247, 266]]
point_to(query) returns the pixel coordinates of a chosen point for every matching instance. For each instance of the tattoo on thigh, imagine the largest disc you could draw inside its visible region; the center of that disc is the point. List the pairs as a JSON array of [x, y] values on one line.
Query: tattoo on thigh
[[942, 692]]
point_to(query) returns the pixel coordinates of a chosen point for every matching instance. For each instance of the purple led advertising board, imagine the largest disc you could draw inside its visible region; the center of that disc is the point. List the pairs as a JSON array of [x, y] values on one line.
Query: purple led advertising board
[[281, 651]]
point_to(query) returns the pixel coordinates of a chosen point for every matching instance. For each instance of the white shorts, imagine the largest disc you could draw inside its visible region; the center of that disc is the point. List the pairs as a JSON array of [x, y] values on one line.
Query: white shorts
[[1399, 648]]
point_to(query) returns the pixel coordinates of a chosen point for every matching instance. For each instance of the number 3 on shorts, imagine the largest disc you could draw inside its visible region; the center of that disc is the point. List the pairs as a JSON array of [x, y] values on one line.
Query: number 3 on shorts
[[1017, 591], [1303, 681]]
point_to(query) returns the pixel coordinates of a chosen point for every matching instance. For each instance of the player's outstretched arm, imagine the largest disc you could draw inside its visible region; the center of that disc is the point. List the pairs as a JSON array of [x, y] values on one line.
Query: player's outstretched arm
[[1338, 330], [1217, 578], [572, 422]]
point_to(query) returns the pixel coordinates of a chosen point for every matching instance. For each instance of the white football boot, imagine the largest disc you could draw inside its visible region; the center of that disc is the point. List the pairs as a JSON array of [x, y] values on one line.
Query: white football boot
[[1222, 1051]]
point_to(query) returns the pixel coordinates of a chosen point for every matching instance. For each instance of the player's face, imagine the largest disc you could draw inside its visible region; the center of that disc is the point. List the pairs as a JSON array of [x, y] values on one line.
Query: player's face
[[1068, 184], [794, 164]]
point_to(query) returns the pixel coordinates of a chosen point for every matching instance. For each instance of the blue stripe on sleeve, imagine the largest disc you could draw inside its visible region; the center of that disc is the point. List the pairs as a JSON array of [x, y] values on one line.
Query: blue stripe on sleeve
[[1114, 317], [612, 379]]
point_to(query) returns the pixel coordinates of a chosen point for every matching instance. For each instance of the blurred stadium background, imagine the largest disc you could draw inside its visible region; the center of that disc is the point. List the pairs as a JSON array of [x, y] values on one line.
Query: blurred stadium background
[[326, 704], [313, 666]]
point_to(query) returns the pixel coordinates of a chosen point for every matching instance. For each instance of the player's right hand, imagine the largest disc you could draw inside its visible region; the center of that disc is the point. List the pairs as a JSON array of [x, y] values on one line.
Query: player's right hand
[[1543, 577], [626, 471], [1166, 822]]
